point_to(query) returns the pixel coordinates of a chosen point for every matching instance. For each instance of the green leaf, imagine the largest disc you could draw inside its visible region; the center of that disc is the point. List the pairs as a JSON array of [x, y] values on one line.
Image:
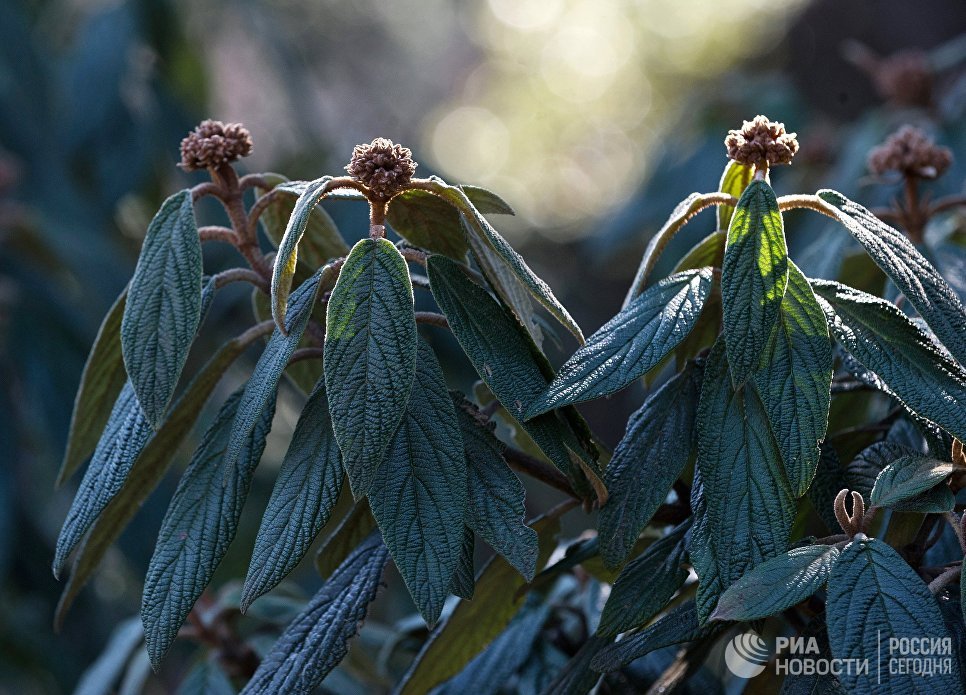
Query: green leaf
[[656, 448], [630, 344], [734, 181], [198, 528], [356, 525], [429, 222], [829, 479], [206, 678], [885, 341], [777, 584], [707, 253], [702, 552], [794, 379], [750, 505], [495, 496], [305, 492], [125, 435], [370, 356], [906, 477], [862, 471], [487, 202], [918, 280], [874, 596], [753, 277], [101, 676], [418, 495], [317, 640], [464, 579], [645, 585], [163, 306], [101, 382]]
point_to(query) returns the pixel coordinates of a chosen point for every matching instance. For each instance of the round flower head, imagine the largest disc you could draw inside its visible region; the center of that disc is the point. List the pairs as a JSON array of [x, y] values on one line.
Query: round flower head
[[213, 144], [761, 142], [382, 166], [911, 152], [905, 78]]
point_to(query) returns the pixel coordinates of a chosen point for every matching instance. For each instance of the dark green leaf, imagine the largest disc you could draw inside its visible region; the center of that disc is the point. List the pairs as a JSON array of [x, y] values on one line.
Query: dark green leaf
[[655, 449], [464, 579], [645, 585], [794, 378], [198, 528], [370, 356], [487, 202], [734, 181], [829, 479], [357, 524], [707, 253], [814, 683], [918, 280], [630, 344], [777, 584], [429, 222], [317, 640], [207, 678], [418, 495], [884, 340], [702, 552], [306, 490], [874, 596], [907, 477], [753, 277], [862, 471], [163, 306]]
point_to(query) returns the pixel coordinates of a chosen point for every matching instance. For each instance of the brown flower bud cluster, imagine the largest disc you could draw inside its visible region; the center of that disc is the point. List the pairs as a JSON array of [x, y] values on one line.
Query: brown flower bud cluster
[[761, 142], [905, 78], [911, 152], [382, 166], [213, 144]]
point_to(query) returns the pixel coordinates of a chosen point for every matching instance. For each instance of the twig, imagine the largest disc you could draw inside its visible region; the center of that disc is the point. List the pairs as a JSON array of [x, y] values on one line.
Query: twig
[[432, 318], [535, 468], [231, 275], [217, 233], [307, 353], [937, 584]]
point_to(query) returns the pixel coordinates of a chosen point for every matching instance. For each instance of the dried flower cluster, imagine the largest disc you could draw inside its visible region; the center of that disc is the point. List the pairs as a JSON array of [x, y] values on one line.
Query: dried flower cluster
[[382, 166], [213, 144], [760, 142], [905, 78], [912, 152]]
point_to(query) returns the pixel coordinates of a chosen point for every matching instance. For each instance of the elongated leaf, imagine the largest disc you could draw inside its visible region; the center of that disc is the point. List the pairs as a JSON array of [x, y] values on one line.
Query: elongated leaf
[[645, 585], [495, 496], [207, 678], [655, 449], [464, 579], [630, 344], [317, 640], [487, 202], [873, 597], [429, 222], [101, 677], [127, 431], [750, 505], [829, 479], [919, 281], [702, 552], [907, 477], [101, 382], [306, 490], [794, 379], [198, 528], [884, 340], [418, 495], [753, 277], [777, 584], [163, 305], [370, 356], [734, 181], [709, 252], [357, 524]]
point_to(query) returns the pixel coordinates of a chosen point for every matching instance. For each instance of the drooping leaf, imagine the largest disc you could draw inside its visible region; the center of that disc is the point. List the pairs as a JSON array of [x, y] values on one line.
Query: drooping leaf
[[906, 478], [702, 552], [655, 448], [777, 584], [464, 579], [487, 202], [753, 277], [101, 677], [207, 678], [370, 356], [101, 382], [429, 222], [317, 640], [418, 494], [918, 280], [163, 306], [198, 528], [873, 597], [306, 490], [630, 344], [884, 340], [734, 181], [707, 253], [794, 379], [357, 524], [495, 496], [645, 585]]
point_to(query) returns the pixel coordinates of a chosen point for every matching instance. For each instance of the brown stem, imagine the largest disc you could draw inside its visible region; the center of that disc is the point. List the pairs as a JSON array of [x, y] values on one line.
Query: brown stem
[[255, 213], [947, 577], [231, 275], [217, 233], [432, 318], [535, 468], [307, 353], [208, 188], [252, 181], [946, 203], [915, 221], [414, 255], [256, 331]]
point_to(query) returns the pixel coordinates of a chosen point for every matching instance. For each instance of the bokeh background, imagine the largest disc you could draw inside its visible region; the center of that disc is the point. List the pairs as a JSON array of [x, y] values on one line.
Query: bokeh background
[[592, 118]]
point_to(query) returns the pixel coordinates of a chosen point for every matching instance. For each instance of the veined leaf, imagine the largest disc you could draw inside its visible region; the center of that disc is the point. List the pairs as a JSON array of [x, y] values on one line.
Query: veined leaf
[[655, 449], [753, 277], [829, 479], [306, 490], [198, 528], [163, 306], [646, 584], [907, 477], [418, 495], [874, 596], [884, 340], [317, 640], [734, 181], [429, 222], [101, 382], [777, 584], [918, 280], [356, 525], [370, 356], [630, 344], [707, 253], [464, 579], [702, 552], [495, 496], [862, 471], [794, 379]]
